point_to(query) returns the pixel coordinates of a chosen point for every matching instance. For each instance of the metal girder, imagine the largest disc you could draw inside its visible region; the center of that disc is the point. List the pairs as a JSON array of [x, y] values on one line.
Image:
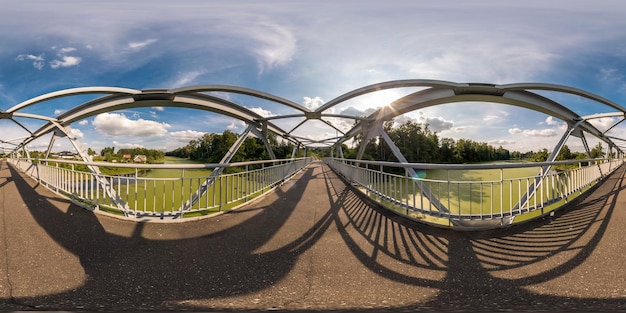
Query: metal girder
[[620, 115], [563, 89], [100, 179], [476, 93], [411, 171], [532, 189], [388, 85], [262, 134], [120, 102], [193, 97], [72, 92], [202, 189], [240, 90]]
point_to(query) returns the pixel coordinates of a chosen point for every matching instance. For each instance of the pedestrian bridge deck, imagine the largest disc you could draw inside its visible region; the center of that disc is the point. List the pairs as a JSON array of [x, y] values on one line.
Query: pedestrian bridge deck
[[313, 243]]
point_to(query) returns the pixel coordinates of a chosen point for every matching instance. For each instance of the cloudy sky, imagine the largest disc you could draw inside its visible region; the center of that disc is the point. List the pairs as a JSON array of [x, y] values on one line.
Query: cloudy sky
[[309, 52]]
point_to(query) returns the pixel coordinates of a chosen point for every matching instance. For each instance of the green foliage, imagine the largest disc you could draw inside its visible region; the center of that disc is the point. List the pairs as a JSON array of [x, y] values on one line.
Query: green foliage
[[419, 144], [211, 148], [109, 154], [596, 152]]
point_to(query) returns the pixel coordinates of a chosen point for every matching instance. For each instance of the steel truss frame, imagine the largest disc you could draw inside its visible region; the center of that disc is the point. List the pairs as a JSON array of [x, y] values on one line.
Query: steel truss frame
[[433, 92]]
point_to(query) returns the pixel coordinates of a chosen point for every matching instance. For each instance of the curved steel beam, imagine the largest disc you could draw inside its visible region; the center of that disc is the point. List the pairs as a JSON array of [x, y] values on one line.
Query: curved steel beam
[[563, 89], [239, 90], [72, 92], [436, 92], [477, 93], [388, 85], [193, 101]]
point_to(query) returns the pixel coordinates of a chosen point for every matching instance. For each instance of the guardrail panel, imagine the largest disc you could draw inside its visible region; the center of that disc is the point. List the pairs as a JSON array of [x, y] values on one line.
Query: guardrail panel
[[473, 192]]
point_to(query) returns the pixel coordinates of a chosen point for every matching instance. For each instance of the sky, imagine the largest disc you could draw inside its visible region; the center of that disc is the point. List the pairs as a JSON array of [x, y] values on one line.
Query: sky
[[309, 52]]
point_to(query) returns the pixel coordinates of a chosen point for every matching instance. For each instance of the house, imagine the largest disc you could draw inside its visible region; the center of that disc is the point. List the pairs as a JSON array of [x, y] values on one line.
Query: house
[[140, 158], [66, 155], [126, 157]]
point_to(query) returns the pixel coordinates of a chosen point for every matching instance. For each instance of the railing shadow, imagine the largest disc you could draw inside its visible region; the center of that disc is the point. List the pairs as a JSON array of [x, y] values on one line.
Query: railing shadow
[[496, 270], [164, 272], [492, 270]]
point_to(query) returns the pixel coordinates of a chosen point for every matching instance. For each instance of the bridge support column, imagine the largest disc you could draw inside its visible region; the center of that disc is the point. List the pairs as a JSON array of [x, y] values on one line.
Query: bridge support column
[[411, 171], [532, 189], [100, 179], [202, 189], [262, 134]]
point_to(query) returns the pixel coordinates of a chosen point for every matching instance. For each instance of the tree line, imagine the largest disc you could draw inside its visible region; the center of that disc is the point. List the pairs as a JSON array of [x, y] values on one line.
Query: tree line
[[415, 141], [108, 154], [211, 148], [419, 144]]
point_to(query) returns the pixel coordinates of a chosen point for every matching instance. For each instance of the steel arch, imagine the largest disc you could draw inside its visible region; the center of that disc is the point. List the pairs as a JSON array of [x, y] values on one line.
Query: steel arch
[[436, 92]]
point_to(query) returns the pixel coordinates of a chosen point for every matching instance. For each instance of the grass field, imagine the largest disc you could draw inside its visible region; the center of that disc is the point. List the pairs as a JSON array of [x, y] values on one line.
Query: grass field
[[472, 194], [167, 190]]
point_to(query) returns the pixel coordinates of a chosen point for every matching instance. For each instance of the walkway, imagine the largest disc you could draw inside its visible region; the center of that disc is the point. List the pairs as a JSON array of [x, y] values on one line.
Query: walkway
[[313, 244]]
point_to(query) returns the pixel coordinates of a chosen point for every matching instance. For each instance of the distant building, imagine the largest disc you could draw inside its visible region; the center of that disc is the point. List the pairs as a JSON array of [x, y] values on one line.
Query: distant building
[[140, 158], [126, 157], [66, 155]]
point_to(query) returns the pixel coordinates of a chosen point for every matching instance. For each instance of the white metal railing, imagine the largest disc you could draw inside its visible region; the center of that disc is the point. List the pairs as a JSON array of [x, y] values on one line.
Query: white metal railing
[[160, 196], [466, 194]]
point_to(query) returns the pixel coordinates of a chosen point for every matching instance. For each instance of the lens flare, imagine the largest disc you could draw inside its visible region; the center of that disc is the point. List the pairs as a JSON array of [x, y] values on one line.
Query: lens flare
[[419, 174]]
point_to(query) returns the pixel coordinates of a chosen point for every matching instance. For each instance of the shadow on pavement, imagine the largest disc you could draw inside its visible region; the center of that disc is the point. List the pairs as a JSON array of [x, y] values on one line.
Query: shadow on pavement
[[510, 269], [491, 270], [139, 273]]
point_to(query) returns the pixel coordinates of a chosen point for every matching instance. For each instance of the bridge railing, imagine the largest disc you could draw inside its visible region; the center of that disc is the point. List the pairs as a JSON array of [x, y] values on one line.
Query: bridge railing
[[179, 190], [474, 196]]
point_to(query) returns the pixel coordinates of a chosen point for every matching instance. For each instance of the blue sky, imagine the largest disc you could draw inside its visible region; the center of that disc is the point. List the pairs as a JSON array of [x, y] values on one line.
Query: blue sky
[[309, 52]]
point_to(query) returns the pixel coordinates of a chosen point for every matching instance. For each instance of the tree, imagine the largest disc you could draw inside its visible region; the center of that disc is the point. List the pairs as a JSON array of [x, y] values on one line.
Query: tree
[[106, 150], [564, 154], [596, 152]]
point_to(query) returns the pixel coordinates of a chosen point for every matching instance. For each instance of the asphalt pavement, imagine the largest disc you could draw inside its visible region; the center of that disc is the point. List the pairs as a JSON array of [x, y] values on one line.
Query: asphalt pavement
[[313, 244]]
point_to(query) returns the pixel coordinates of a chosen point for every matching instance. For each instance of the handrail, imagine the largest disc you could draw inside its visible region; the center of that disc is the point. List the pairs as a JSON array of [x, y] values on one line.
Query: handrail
[[490, 201], [163, 166], [431, 166], [155, 198]]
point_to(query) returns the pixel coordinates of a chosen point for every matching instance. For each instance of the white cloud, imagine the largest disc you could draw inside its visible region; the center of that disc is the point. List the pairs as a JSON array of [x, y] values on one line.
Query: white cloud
[[501, 142], [141, 44], [271, 43], [77, 133], [313, 103], [603, 123], [186, 79], [127, 145], [490, 118], [353, 111], [159, 108], [436, 124], [83, 122], [551, 121], [64, 60], [235, 124], [38, 60], [611, 75], [261, 111], [186, 136], [58, 111], [546, 132], [117, 124], [66, 50]]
